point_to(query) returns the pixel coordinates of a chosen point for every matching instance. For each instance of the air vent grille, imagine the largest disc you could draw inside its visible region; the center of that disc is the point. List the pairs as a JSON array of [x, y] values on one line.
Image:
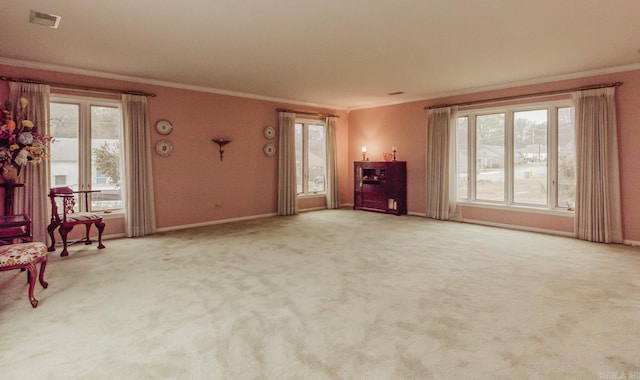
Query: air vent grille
[[45, 19]]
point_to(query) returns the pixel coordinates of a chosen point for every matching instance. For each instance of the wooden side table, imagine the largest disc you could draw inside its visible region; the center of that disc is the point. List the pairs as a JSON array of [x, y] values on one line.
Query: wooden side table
[[15, 227]]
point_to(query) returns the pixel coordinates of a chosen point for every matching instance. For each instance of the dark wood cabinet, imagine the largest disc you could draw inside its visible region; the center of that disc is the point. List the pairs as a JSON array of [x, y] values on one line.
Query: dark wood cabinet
[[380, 186]]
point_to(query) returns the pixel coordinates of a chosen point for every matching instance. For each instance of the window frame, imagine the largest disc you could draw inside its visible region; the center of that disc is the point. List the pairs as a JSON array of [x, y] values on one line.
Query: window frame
[[552, 206], [85, 155], [305, 193]]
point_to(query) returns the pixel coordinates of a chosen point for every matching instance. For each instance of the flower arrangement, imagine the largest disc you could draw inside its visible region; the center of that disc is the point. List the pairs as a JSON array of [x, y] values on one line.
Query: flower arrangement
[[20, 142]]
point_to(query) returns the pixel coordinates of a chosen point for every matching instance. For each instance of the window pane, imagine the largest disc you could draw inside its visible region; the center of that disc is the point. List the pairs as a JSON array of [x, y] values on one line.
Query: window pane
[[316, 158], [490, 157], [299, 163], [530, 157], [462, 144], [566, 158], [64, 147], [105, 158]]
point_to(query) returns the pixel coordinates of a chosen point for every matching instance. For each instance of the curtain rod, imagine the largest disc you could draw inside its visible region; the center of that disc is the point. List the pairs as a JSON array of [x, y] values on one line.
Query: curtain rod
[[77, 87], [533, 95], [306, 113]]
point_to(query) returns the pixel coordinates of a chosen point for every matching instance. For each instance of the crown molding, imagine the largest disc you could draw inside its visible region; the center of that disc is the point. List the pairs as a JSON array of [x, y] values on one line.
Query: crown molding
[[502, 86], [133, 79], [425, 97]]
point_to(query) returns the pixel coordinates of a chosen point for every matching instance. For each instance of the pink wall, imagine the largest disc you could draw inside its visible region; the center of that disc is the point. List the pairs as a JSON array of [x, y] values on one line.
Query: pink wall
[[404, 125], [192, 185]]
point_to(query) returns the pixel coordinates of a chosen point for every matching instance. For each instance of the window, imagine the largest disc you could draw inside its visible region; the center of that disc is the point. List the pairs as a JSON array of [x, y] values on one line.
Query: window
[[310, 156], [522, 156], [85, 152]]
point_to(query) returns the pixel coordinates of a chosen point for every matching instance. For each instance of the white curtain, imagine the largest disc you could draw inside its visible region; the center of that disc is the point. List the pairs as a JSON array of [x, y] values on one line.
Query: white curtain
[[138, 186], [287, 186], [441, 163], [333, 191], [32, 199], [598, 212]]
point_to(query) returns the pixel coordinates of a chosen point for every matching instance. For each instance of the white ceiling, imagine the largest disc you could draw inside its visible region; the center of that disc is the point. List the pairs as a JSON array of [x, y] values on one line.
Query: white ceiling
[[340, 53]]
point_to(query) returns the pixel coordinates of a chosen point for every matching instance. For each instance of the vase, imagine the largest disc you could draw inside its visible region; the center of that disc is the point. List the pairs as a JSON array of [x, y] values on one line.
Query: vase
[[10, 173]]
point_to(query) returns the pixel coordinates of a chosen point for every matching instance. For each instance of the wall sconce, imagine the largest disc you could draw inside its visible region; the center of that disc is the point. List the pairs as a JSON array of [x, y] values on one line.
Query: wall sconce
[[364, 153], [221, 143]]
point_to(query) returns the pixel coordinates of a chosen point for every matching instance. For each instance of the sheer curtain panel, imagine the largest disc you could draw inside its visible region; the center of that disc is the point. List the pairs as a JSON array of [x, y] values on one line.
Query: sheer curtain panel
[[287, 188], [141, 218], [441, 163], [333, 193], [32, 198], [598, 212]]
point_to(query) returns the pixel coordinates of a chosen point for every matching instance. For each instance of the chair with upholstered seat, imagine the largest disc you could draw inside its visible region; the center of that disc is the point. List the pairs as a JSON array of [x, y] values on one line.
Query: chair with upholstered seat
[[26, 256], [64, 217]]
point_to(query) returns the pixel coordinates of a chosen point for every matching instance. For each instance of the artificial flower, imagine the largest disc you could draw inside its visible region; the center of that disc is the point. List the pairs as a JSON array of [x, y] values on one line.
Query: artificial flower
[[25, 138], [20, 142]]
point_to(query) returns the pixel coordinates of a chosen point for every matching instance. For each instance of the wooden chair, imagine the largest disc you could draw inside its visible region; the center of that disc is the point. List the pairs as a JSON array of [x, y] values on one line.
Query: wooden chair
[[63, 198], [26, 256]]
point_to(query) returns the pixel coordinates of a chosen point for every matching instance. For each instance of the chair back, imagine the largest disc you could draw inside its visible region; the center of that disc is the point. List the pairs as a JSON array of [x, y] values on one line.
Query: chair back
[[63, 202]]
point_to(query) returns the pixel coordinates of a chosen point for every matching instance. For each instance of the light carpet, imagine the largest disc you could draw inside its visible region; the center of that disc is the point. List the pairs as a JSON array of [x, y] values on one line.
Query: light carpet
[[334, 294]]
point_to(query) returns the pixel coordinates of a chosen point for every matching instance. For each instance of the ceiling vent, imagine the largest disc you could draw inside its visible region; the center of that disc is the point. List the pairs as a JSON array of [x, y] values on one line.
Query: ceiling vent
[[45, 19]]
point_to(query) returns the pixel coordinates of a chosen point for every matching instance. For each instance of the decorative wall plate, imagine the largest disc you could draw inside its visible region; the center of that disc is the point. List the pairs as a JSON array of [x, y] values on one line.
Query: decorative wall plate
[[269, 132], [164, 148], [164, 127], [269, 149]]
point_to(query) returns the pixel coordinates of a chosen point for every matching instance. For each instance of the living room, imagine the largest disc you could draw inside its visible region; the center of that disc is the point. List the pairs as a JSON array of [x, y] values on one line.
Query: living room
[[199, 194]]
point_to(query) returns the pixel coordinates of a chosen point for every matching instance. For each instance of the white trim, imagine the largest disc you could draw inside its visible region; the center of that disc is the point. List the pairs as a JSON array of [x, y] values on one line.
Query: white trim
[[506, 85], [213, 222], [100, 74], [413, 213]]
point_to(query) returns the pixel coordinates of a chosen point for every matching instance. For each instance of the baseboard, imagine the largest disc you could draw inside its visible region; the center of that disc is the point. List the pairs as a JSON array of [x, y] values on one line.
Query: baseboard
[[213, 222], [313, 209], [114, 236], [632, 243], [413, 213], [517, 227]]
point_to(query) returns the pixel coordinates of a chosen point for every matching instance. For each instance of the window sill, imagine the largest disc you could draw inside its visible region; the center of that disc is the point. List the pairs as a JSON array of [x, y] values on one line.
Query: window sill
[[309, 196], [117, 214], [525, 209]]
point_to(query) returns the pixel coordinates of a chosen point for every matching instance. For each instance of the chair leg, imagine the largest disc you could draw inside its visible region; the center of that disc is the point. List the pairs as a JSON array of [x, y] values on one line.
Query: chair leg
[[87, 239], [33, 274], [63, 234], [51, 229], [100, 227], [43, 266]]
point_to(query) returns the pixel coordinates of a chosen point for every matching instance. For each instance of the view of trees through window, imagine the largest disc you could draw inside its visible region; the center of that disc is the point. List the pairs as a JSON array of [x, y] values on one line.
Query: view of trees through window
[[490, 157], [310, 157], [512, 156], [530, 157], [85, 152]]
